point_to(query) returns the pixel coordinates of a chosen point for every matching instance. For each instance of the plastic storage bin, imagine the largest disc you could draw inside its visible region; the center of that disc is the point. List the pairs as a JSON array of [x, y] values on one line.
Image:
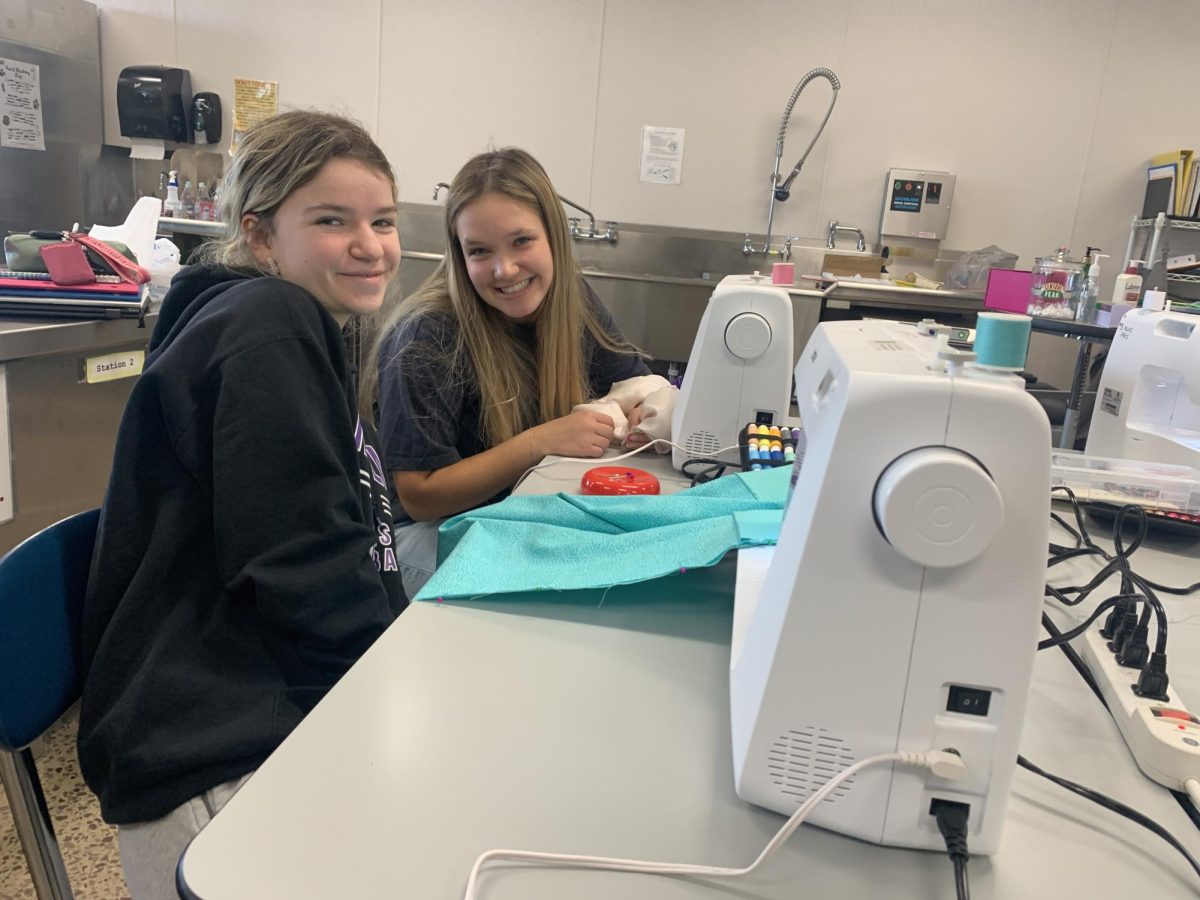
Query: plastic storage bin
[[1172, 490]]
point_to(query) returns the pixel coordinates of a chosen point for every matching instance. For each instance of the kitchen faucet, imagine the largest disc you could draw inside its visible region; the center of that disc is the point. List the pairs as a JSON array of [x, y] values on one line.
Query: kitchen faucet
[[579, 234], [781, 188], [609, 234], [834, 228]]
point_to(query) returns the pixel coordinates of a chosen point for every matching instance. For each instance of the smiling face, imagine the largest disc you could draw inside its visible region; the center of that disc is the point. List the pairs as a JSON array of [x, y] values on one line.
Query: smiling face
[[334, 236], [507, 254]]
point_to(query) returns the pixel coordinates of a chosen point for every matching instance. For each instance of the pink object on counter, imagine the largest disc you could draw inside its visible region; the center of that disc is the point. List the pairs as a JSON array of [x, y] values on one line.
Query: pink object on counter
[[783, 273], [1008, 290]]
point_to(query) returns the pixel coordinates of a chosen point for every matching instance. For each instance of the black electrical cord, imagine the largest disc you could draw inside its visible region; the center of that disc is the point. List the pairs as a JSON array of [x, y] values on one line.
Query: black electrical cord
[[1062, 554], [952, 821], [1082, 538], [1179, 592], [1115, 806], [703, 469], [1116, 563], [1079, 629], [1128, 575], [961, 887]]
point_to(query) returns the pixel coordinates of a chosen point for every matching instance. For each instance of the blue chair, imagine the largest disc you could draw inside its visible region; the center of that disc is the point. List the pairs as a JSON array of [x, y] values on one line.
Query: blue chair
[[42, 583]]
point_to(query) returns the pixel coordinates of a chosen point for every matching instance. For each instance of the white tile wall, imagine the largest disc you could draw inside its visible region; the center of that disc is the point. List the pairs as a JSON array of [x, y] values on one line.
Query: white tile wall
[[459, 77], [132, 33], [322, 55], [724, 72]]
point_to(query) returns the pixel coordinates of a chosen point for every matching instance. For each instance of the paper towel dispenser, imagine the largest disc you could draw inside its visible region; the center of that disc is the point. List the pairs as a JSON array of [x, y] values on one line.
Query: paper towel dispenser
[[153, 102]]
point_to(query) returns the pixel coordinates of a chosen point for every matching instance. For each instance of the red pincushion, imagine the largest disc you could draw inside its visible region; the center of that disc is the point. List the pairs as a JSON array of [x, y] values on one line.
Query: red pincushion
[[618, 480]]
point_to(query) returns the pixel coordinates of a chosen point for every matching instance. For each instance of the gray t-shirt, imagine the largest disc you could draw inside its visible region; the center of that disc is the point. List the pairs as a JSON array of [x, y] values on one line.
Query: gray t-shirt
[[429, 415]]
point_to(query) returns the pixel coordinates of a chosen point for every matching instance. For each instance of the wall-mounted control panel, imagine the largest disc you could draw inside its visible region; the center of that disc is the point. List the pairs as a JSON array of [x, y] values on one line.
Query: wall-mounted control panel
[[916, 203]]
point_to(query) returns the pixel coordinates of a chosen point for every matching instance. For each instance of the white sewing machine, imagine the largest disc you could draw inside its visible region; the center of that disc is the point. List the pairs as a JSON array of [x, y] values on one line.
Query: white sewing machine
[[739, 370], [1148, 405], [900, 609]]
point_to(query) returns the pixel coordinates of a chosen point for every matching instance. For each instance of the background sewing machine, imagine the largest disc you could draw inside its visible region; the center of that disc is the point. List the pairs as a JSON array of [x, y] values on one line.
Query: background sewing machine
[[1148, 404], [739, 370], [900, 609]]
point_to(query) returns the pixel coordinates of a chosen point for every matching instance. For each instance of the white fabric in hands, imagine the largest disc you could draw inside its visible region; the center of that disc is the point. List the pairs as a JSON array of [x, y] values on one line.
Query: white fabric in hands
[[656, 397]]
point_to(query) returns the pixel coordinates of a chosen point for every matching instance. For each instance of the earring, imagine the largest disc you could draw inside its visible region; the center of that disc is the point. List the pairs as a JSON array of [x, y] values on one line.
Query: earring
[[272, 266]]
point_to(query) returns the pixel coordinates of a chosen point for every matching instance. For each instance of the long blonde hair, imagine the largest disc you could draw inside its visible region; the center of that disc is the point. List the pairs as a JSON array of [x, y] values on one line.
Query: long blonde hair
[[516, 390]]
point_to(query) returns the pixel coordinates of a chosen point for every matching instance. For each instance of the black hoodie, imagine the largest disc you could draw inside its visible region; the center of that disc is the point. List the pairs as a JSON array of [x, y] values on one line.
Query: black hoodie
[[244, 557]]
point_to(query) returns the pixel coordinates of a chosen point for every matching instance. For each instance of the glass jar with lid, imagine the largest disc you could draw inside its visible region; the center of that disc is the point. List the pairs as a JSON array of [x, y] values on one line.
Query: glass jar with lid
[[1054, 291]]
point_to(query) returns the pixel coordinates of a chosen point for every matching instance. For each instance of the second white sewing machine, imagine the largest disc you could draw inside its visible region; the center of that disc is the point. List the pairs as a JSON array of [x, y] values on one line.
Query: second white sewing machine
[[1148, 405]]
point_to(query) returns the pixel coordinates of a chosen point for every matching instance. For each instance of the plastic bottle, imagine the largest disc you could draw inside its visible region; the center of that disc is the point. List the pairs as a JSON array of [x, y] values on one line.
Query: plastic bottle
[[188, 199], [172, 206], [1089, 295], [1128, 286], [203, 203]]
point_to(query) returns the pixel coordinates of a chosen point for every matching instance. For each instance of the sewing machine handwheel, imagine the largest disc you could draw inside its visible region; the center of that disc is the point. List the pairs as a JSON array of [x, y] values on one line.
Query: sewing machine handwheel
[[938, 507], [748, 335]]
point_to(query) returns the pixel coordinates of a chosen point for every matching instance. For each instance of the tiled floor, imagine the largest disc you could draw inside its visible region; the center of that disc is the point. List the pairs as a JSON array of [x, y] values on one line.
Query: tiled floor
[[89, 846]]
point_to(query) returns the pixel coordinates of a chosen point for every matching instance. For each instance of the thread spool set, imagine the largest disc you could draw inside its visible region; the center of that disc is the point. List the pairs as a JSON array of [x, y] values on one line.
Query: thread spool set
[[767, 446]]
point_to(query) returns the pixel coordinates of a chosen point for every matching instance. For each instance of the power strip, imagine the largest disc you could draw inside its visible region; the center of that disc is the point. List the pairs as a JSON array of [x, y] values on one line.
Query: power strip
[[1163, 736]]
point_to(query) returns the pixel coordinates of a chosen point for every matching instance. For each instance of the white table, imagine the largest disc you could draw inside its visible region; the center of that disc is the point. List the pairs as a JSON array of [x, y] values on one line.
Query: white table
[[596, 727]]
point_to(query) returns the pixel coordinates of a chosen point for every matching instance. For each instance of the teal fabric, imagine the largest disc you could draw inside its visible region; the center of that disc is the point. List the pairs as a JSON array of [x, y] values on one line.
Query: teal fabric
[[563, 542]]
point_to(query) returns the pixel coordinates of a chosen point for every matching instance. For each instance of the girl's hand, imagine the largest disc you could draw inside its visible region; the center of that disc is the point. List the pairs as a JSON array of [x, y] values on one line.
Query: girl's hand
[[635, 438], [581, 434]]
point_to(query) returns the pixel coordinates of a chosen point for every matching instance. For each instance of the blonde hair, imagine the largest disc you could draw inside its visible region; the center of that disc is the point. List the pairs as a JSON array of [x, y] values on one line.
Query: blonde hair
[[516, 391], [275, 158]]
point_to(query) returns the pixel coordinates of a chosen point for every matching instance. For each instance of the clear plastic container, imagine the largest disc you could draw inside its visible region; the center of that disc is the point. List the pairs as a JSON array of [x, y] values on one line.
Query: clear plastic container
[[1118, 482]]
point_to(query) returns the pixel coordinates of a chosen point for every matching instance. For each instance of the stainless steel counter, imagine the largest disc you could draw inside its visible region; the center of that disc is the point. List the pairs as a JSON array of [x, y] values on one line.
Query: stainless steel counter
[[62, 429], [27, 338]]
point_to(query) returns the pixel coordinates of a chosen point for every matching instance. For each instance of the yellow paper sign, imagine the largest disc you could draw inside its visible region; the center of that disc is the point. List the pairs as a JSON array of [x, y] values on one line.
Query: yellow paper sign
[[253, 101], [113, 366]]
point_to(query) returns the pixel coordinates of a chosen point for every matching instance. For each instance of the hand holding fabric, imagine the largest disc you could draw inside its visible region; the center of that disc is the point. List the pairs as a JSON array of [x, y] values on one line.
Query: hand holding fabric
[[584, 433]]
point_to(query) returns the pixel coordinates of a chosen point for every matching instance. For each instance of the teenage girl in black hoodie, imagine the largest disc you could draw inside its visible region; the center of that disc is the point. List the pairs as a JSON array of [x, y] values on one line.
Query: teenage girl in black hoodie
[[244, 559]]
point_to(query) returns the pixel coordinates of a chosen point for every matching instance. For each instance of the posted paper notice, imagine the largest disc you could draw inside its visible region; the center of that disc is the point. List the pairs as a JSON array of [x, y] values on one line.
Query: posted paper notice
[[253, 101], [21, 106], [662, 154]]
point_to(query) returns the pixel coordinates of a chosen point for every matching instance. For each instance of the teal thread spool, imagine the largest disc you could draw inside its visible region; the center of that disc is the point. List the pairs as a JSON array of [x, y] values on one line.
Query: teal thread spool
[[1002, 340]]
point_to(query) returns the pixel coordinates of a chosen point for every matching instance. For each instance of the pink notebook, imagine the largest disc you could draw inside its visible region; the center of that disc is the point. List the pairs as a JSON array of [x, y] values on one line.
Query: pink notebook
[[1008, 290]]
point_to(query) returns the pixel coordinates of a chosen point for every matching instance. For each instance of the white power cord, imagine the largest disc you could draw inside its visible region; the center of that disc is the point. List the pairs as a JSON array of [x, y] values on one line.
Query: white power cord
[[943, 763], [603, 461], [1192, 786]]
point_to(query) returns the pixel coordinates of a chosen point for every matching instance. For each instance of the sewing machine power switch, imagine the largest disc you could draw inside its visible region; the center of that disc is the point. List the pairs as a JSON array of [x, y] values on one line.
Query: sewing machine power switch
[[972, 701]]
